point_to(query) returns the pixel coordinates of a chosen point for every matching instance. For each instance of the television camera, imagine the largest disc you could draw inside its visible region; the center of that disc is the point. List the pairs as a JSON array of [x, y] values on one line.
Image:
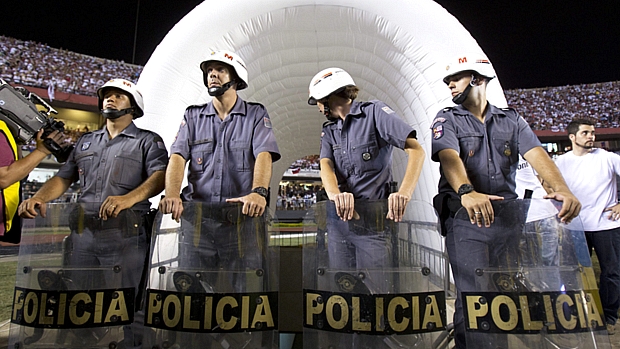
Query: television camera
[[18, 110]]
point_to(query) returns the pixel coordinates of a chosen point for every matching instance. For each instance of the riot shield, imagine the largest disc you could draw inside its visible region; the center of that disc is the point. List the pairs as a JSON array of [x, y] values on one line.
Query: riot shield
[[77, 279], [526, 281], [213, 279], [370, 282]]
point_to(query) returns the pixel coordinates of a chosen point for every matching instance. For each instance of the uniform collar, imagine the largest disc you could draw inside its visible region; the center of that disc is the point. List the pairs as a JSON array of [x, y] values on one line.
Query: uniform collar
[[492, 110], [356, 109], [131, 131], [238, 109]]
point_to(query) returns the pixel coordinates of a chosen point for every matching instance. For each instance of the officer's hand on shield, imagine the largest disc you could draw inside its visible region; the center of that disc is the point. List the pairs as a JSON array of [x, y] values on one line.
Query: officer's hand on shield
[[112, 206], [172, 205], [396, 206], [253, 204], [345, 206], [479, 207], [28, 208], [614, 212], [570, 205]]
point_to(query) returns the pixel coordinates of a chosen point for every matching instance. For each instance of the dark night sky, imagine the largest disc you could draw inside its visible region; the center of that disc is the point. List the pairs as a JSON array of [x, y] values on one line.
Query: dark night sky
[[531, 43]]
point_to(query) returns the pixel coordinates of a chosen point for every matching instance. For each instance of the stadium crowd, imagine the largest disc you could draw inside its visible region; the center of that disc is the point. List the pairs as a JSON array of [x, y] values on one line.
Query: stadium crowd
[[552, 108], [39, 65]]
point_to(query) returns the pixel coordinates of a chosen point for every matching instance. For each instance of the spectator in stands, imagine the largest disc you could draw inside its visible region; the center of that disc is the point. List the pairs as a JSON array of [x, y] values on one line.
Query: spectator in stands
[[38, 65]]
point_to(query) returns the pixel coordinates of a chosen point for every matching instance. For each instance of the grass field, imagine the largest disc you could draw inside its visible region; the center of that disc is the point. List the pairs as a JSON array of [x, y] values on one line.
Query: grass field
[[7, 284]]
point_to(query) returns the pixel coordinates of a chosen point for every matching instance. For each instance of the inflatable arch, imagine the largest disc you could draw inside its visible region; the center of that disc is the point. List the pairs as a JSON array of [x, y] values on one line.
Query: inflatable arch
[[396, 51]]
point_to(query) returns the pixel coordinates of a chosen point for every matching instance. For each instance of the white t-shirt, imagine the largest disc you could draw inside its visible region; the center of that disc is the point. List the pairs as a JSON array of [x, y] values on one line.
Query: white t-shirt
[[526, 179], [592, 178]]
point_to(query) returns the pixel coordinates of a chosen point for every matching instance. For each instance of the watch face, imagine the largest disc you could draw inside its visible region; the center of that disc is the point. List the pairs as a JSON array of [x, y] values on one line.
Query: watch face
[[260, 191], [465, 188]]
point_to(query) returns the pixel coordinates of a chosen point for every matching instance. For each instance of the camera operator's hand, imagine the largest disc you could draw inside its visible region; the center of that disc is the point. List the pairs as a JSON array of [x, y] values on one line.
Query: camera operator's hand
[[57, 137], [28, 208]]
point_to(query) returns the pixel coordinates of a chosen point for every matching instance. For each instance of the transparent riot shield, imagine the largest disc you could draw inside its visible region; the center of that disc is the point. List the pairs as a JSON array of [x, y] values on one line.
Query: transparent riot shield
[[526, 281], [77, 279], [370, 282], [213, 280]]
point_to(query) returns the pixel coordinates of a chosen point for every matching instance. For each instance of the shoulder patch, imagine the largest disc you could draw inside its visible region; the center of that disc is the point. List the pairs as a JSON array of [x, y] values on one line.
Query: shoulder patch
[[438, 119], [387, 110], [447, 109], [267, 122], [438, 132]]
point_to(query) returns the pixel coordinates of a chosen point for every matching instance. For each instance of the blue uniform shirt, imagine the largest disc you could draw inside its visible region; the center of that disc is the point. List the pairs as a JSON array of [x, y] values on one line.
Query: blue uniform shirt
[[222, 153], [360, 146], [108, 167], [489, 151]]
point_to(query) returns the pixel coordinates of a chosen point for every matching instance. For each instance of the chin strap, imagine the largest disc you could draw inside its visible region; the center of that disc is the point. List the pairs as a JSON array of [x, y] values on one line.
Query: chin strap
[[327, 112], [218, 91], [115, 114], [461, 97]]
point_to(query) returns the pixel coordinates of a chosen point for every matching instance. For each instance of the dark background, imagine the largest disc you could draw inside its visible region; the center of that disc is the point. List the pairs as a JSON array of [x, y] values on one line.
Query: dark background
[[531, 43]]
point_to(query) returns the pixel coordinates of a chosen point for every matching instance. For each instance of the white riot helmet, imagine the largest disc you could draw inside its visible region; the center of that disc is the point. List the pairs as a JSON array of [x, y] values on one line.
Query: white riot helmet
[[137, 102], [474, 63], [232, 59], [326, 82], [470, 62]]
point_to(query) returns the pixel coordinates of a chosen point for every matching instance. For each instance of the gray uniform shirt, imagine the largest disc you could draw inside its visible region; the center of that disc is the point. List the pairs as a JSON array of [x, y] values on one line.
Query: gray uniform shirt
[[489, 151], [360, 146], [222, 153], [108, 167]]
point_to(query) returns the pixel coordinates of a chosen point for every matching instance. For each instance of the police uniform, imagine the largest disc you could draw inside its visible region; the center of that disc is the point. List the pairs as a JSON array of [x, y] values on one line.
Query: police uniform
[[360, 147], [222, 153], [222, 156], [110, 167], [490, 153]]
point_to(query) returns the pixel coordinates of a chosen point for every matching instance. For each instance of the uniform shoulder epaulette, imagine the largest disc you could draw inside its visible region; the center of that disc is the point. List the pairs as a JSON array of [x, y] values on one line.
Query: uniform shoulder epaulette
[[196, 105], [447, 109], [255, 103], [512, 111], [328, 122]]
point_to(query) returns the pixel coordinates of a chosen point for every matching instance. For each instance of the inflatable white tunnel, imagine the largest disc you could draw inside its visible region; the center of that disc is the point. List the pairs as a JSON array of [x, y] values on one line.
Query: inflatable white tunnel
[[396, 51]]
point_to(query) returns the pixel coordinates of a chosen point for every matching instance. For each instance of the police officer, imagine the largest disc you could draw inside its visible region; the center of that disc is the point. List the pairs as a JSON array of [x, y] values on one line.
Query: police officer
[[356, 167], [230, 146], [357, 143], [228, 142], [356, 162], [477, 146], [119, 167]]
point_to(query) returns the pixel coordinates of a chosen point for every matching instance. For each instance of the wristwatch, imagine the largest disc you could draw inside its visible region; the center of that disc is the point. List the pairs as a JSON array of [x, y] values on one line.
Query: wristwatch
[[262, 191], [465, 189]]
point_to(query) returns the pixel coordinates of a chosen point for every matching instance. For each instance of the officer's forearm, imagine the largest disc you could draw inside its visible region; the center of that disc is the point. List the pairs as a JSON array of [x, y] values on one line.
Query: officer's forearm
[[328, 177], [546, 169], [262, 170], [453, 168], [174, 175], [53, 189], [415, 160]]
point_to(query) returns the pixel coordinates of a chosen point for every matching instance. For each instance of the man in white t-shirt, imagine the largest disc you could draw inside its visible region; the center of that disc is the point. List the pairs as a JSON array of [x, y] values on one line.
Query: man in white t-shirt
[[540, 215], [591, 175]]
